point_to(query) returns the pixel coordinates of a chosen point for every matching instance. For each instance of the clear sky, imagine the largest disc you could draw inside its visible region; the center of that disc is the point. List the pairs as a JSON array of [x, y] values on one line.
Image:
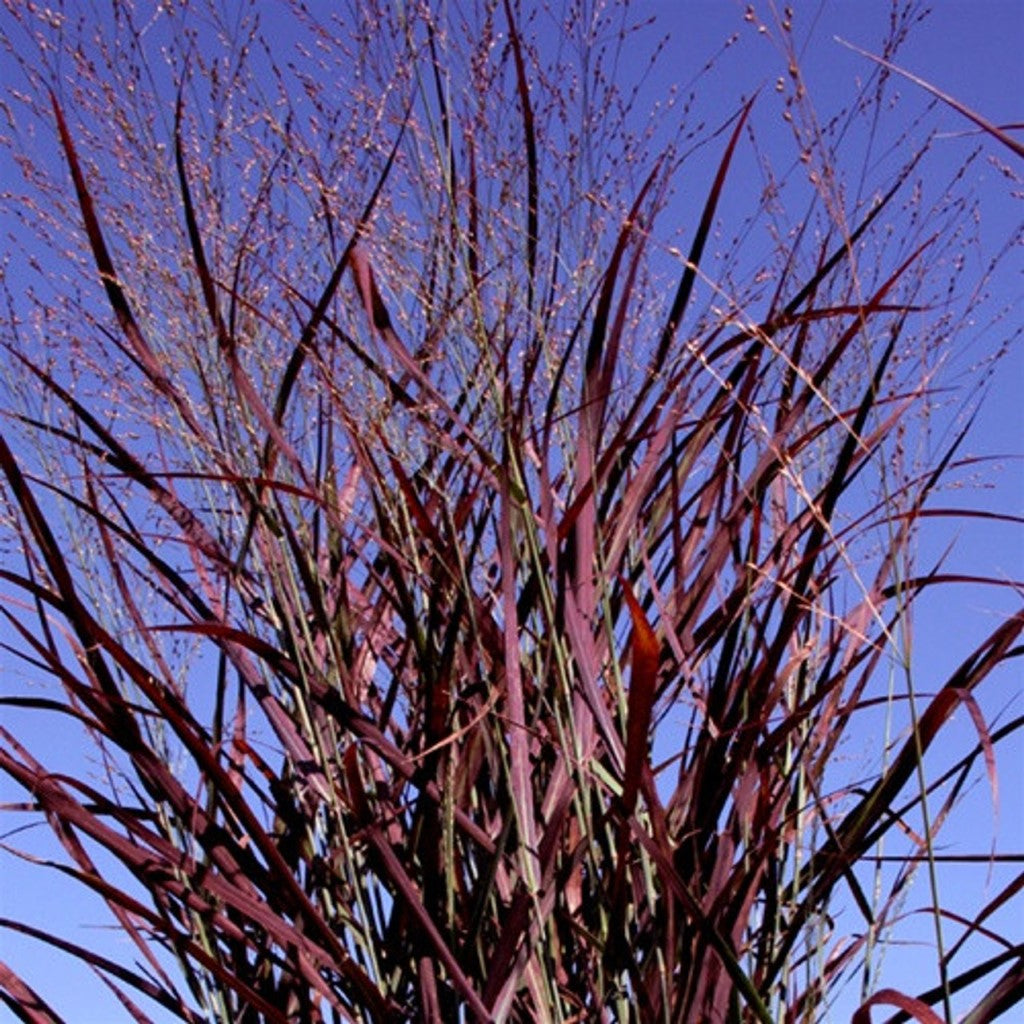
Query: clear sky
[[971, 49]]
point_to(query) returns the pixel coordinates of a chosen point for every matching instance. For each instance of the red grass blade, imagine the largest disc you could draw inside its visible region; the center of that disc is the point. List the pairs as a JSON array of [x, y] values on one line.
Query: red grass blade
[[921, 1012], [689, 278], [530, 140], [26, 1004], [951, 101], [645, 654]]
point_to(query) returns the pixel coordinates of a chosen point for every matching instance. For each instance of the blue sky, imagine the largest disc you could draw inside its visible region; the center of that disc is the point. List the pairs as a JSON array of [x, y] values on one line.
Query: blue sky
[[969, 49]]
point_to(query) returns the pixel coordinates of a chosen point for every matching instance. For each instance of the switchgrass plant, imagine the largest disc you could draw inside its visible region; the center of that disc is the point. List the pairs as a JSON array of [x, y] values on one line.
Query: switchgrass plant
[[470, 591]]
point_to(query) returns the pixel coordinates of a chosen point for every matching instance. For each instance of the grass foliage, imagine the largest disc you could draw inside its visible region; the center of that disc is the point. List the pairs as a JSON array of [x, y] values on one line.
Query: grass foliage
[[472, 591]]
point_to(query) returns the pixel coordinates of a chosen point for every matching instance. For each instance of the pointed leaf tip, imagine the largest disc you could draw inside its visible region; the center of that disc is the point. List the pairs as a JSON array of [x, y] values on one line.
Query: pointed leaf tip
[[645, 652]]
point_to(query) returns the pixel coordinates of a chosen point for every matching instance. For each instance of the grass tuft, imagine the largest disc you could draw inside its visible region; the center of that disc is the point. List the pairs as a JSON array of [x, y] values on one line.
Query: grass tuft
[[468, 602]]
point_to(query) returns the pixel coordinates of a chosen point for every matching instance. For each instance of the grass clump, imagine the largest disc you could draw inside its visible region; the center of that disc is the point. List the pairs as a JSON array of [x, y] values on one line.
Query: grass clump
[[466, 589]]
